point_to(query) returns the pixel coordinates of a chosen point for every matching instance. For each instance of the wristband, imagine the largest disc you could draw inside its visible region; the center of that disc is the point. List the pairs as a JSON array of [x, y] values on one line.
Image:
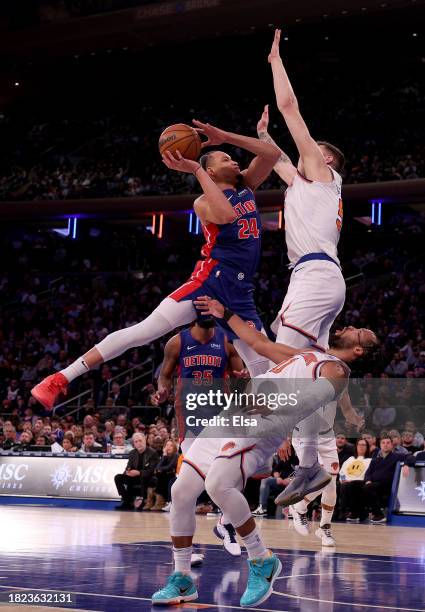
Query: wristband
[[227, 314]]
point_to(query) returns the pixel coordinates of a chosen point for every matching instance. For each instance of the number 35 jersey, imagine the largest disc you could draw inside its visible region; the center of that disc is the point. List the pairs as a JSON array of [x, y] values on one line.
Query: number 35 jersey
[[313, 217]]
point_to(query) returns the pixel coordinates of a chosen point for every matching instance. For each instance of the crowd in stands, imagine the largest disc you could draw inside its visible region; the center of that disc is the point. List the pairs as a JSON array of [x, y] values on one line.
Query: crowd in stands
[[67, 149]]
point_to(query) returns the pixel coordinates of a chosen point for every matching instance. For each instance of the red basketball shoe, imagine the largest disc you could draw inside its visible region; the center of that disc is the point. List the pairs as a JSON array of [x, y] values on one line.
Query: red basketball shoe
[[47, 391]]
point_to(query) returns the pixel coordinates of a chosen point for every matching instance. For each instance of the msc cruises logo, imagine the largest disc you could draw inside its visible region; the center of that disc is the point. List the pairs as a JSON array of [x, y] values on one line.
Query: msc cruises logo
[[421, 491], [60, 476]]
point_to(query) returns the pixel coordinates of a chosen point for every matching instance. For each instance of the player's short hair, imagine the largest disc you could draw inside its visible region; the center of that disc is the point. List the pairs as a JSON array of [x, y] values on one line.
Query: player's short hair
[[339, 157], [205, 160]]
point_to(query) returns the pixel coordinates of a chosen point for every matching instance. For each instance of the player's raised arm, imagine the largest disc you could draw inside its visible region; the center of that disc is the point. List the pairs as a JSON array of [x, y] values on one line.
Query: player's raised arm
[[213, 206], [283, 167], [255, 339], [314, 163], [266, 153], [165, 379]]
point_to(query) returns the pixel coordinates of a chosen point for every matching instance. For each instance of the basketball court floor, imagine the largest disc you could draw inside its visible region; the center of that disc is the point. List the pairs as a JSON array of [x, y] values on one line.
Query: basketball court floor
[[114, 561]]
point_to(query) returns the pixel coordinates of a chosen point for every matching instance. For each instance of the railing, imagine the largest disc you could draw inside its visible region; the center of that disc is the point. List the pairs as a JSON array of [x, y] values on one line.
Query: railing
[[128, 372]]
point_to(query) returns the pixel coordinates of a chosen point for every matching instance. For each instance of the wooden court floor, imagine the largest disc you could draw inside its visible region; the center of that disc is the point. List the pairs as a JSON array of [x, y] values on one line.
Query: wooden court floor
[[126, 555]]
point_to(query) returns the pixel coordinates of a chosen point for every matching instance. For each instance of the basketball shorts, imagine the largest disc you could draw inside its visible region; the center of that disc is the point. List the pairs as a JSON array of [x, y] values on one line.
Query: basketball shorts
[[224, 284], [315, 297], [255, 455]]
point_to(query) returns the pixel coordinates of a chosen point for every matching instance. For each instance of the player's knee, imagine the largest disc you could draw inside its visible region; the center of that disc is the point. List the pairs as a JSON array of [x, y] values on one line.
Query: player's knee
[[215, 485]]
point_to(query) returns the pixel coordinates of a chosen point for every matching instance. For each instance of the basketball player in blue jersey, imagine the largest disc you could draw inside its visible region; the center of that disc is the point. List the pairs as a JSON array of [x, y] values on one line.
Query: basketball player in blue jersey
[[231, 224], [201, 355]]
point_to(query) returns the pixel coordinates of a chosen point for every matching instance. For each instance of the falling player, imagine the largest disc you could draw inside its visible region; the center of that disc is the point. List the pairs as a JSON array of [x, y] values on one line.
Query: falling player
[[225, 463], [316, 292], [232, 228], [203, 357]]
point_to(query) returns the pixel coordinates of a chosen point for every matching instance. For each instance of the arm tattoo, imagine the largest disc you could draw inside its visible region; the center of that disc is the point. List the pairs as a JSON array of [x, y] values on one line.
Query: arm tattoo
[[265, 136]]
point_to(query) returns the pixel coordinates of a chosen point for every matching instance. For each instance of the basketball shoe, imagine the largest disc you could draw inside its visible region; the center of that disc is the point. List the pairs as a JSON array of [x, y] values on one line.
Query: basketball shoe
[[300, 521], [179, 588], [227, 533], [262, 574], [305, 481], [47, 391]]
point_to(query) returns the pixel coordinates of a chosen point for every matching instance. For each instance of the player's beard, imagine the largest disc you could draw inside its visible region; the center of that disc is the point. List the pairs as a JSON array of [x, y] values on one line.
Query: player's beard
[[336, 342], [206, 323]]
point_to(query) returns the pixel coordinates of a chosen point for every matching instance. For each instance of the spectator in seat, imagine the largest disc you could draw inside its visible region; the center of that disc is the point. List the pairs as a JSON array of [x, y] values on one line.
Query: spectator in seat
[[41, 441], [274, 484], [418, 439], [25, 441], [370, 437], [119, 444], [344, 449], [139, 472], [411, 461], [68, 443], [10, 437], [89, 444], [398, 366], [378, 479], [383, 415], [119, 397], [165, 474], [351, 478], [396, 440], [407, 442], [158, 444]]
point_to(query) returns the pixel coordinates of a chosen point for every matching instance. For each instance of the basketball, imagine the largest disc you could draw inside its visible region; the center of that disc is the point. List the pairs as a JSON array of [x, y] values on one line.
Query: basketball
[[180, 137]]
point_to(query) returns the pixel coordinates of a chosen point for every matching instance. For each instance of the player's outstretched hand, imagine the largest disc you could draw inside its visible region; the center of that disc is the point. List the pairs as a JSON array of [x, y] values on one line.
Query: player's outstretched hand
[[241, 373], [208, 306], [285, 450], [274, 51], [263, 124], [179, 163], [159, 397], [215, 136]]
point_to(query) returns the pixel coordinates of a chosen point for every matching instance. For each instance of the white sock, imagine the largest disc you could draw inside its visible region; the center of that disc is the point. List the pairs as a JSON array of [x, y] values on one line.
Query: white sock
[[76, 369], [255, 546], [326, 517], [182, 559], [301, 506]]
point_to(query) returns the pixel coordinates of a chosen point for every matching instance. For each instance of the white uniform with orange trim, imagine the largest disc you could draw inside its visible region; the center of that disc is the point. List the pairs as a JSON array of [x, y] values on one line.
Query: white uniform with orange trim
[[261, 441], [316, 292]]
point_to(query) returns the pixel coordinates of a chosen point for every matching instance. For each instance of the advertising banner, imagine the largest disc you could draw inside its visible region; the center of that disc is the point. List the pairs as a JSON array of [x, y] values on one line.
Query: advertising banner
[[68, 477]]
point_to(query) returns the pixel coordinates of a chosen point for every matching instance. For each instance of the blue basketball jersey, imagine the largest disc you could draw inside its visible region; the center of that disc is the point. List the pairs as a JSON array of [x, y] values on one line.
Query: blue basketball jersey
[[236, 245], [202, 362]]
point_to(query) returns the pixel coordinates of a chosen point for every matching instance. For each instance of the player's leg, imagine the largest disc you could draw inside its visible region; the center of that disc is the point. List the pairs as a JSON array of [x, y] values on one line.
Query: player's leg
[[167, 316], [328, 455], [255, 363], [184, 493], [315, 296], [224, 483], [307, 436]]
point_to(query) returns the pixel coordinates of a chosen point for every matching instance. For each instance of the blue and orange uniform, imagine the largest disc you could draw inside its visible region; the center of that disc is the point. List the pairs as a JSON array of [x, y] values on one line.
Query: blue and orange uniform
[[230, 260], [201, 366]]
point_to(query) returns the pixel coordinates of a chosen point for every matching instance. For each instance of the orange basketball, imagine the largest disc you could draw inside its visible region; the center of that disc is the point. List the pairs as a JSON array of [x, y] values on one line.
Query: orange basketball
[[182, 137]]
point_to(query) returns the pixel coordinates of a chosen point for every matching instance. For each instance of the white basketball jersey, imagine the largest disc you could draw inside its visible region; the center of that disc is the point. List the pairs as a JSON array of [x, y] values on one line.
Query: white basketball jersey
[[306, 365], [313, 217]]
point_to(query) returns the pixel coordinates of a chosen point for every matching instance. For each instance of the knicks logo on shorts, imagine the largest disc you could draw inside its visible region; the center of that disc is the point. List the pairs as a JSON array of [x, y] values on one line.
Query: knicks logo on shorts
[[228, 446], [334, 468]]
